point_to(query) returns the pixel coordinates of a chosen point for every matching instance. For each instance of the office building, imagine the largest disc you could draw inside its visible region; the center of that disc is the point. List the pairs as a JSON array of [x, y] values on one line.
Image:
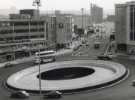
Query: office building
[[96, 14], [22, 35], [125, 27], [64, 29], [60, 28]]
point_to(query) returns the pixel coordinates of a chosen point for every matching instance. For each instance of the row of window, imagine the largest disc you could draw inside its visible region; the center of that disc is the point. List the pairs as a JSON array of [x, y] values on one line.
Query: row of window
[[132, 23], [32, 45], [4, 24], [20, 38], [21, 31], [132, 36]]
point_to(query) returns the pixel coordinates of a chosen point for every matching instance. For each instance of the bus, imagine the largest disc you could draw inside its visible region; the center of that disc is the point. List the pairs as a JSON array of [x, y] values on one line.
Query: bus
[[45, 56]]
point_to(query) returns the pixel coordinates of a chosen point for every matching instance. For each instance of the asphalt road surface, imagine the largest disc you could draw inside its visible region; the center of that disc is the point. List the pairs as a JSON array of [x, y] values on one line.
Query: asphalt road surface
[[121, 91]]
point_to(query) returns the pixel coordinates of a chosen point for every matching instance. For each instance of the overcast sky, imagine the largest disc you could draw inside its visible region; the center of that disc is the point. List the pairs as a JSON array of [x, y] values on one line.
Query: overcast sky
[[59, 4]]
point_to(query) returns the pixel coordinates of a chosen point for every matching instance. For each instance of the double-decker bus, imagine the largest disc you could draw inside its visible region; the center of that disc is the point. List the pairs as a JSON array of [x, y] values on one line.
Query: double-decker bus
[[44, 56]]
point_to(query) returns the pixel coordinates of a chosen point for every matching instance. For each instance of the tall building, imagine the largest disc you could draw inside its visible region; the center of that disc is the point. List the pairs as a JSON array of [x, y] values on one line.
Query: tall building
[[64, 25], [96, 14], [62, 31], [125, 27], [50, 29]]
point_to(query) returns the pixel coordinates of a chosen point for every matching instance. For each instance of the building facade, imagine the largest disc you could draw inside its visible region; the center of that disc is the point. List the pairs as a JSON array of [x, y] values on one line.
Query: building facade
[[24, 34], [21, 37], [60, 28], [50, 29], [64, 28], [125, 27], [96, 14]]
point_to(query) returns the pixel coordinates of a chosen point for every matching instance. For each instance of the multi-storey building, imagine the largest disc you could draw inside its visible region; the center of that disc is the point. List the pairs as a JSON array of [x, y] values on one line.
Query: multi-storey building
[[60, 28], [22, 37], [64, 25], [51, 29], [125, 27], [24, 34], [96, 14]]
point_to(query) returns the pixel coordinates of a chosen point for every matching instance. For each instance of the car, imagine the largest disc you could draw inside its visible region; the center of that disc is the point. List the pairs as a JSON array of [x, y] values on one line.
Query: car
[[53, 94], [97, 45], [104, 57], [8, 65], [133, 83], [84, 44], [19, 94]]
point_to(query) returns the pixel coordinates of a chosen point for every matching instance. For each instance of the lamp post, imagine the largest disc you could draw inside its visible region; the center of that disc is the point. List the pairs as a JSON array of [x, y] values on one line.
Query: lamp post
[[82, 9], [37, 3], [13, 39]]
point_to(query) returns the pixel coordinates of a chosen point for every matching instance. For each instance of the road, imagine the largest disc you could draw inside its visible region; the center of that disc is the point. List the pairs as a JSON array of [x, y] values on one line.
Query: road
[[120, 91]]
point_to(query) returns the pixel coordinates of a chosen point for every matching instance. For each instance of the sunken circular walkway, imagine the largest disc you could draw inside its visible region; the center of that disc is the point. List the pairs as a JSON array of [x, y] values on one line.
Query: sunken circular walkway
[[68, 76]]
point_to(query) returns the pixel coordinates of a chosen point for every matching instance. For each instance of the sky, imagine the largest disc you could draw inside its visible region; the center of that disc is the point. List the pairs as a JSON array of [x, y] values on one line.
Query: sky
[[59, 4]]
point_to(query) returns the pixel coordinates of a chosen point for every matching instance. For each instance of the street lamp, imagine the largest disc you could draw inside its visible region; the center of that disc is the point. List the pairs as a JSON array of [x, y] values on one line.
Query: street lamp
[[37, 3], [82, 9]]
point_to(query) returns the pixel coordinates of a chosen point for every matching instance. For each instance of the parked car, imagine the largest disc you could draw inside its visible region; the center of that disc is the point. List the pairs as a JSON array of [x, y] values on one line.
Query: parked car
[[53, 94], [104, 57], [8, 65], [20, 94], [133, 83], [86, 44], [97, 45]]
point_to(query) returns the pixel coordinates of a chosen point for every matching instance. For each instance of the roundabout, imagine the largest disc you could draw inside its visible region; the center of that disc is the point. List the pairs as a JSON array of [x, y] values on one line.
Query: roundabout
[[68, 76]]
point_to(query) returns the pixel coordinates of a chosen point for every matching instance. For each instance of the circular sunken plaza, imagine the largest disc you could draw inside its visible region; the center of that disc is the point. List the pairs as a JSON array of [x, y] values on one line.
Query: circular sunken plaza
[[68, 76]]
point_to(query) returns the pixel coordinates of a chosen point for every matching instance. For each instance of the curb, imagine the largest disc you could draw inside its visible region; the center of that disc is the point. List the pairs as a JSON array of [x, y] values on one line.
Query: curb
[[85, 89]]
